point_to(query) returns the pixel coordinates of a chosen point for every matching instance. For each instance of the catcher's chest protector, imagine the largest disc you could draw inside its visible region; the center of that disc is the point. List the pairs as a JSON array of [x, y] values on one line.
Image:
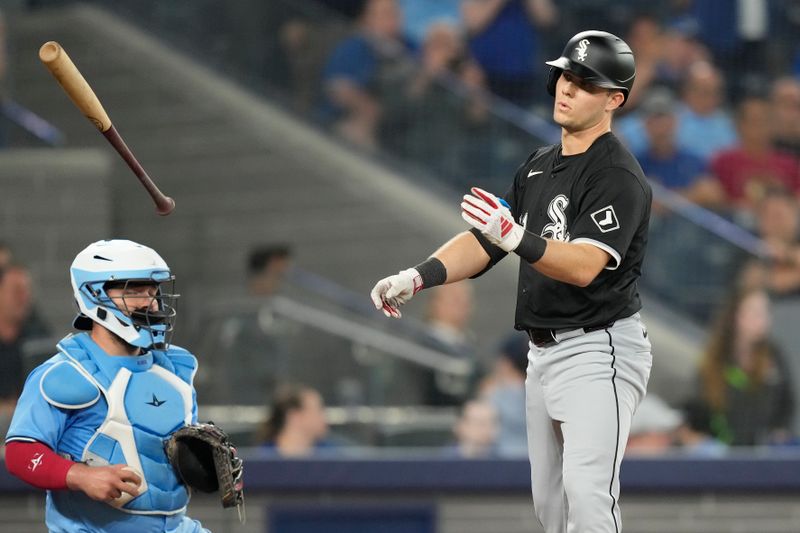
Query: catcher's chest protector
[[145, 405]]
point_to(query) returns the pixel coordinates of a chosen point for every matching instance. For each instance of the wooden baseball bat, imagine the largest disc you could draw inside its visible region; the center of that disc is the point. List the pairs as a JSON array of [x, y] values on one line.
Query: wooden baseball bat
[[59, 64]]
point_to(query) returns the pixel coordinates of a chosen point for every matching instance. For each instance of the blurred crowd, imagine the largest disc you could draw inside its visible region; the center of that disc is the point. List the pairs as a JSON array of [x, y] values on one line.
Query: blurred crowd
[[424, 80]]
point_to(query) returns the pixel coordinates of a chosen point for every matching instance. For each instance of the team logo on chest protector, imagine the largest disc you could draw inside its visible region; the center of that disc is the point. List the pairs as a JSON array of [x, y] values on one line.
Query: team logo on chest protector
[[557, 212]]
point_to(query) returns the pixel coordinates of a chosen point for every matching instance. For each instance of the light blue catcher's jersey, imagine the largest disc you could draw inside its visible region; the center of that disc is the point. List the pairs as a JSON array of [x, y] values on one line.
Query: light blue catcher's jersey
[[100, 409]]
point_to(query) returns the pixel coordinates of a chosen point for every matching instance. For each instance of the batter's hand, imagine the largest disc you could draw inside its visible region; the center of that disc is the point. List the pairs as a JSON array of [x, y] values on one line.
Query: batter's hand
[[491, 216], [392, 292]]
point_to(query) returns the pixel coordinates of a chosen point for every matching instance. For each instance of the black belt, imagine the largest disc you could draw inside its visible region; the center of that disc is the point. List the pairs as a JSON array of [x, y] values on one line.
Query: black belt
[[542, 337]]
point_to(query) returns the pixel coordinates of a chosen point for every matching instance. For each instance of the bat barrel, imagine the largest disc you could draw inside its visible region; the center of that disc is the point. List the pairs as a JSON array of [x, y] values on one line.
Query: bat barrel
[[55, 58], [59, 64], [49, 52]]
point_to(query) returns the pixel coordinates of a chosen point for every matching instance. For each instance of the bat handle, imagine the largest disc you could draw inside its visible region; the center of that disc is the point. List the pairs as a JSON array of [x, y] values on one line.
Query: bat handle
[[164, 204]]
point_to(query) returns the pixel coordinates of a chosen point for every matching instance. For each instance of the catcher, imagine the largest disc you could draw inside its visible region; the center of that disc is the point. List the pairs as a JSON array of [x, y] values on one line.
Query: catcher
[[108, 426]]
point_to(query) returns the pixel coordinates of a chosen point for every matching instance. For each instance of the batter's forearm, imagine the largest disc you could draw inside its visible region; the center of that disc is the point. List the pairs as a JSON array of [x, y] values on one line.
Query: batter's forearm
[[462, 256], [576, 264]]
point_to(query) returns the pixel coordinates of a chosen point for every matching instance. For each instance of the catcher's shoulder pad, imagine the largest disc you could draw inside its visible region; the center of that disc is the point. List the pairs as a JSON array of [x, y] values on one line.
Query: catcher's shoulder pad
[[64, 385], [182, 361]]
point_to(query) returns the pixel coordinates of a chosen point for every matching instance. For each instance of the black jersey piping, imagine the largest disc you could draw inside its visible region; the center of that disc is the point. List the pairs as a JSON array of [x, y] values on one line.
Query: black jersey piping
[[616, 448]]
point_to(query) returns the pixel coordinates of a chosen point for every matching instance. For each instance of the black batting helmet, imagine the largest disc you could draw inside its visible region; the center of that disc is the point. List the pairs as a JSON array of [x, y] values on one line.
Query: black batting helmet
[[597, 57]]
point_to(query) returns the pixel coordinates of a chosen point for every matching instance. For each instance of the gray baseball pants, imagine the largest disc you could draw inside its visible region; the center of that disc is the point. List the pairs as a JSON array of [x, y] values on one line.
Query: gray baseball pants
[[581, 394]]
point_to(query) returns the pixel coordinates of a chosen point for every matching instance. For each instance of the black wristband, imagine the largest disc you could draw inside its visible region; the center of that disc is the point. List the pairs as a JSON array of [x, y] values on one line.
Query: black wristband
[[531, 248], [432, 272]]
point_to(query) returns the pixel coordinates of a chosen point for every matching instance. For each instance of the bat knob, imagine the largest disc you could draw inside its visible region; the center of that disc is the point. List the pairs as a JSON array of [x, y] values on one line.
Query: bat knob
[[165, 206]]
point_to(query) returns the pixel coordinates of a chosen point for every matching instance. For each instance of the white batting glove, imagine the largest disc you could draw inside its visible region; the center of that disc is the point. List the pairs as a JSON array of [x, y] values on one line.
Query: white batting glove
[[491, 216], [392, 292]]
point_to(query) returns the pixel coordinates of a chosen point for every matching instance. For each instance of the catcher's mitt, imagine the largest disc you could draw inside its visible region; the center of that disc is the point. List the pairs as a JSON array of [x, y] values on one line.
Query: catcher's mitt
[[205, 460]]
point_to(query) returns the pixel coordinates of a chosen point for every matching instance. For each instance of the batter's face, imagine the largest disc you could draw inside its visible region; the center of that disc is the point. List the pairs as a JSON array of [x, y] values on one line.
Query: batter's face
[[580, 106]]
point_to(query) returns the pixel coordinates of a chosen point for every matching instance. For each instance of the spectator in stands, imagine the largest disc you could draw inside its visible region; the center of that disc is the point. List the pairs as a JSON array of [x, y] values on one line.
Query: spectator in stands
[[704, 127], [296, 52], [250, 352], [17, 325], [475, 431], [449, 312], [267, 267], [646, 39], [504, 36], [777, 223], [420, 15], [504, 389], [657, 428], [296, 425], [743, 380], [785, 115], [364, 71], [444, 129], [735, 32], [682, 49], [694, 435], [747, 170], [666, 163], [653, 427]]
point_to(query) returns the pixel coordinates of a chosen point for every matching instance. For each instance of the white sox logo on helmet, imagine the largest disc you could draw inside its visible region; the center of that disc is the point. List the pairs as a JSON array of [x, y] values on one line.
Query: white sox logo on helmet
[[583, 48], [557, 229]]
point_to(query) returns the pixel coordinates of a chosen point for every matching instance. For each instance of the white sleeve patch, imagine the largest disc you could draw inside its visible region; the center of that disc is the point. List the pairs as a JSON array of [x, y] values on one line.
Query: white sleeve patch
[[606, 248], [606, 219]]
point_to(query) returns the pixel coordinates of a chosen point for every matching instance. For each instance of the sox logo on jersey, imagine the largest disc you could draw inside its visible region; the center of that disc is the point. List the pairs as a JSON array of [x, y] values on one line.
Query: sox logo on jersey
[[556, 211]]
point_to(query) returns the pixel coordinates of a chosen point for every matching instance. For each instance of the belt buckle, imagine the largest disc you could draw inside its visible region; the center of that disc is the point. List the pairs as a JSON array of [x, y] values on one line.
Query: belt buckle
[[569, 334]]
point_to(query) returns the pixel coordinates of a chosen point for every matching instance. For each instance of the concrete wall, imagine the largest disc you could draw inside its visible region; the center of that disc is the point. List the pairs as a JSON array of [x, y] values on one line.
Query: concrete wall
[[53, 202]]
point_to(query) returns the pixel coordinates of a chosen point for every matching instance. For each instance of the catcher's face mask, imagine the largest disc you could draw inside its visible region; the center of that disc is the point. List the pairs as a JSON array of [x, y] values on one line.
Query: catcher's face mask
[[141, 317], [149, 305]]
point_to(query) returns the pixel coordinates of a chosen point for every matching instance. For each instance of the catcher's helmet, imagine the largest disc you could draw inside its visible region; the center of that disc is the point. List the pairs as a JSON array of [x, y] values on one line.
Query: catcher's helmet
[[120, 263], [597, 57]]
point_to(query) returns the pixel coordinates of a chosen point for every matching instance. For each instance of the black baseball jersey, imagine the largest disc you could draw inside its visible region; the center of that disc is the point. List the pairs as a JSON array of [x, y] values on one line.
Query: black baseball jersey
[[599, 197]]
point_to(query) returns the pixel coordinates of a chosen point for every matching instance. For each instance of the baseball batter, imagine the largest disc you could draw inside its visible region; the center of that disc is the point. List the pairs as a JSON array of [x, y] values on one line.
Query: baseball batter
[[577, 216]]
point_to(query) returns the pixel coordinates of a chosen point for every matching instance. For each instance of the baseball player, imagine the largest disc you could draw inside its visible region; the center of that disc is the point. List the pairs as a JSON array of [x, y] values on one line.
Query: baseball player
[[577, 216], [91, 422]]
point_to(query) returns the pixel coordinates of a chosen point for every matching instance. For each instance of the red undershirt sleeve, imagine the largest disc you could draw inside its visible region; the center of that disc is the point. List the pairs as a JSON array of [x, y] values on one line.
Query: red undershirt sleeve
[[38, 465]]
